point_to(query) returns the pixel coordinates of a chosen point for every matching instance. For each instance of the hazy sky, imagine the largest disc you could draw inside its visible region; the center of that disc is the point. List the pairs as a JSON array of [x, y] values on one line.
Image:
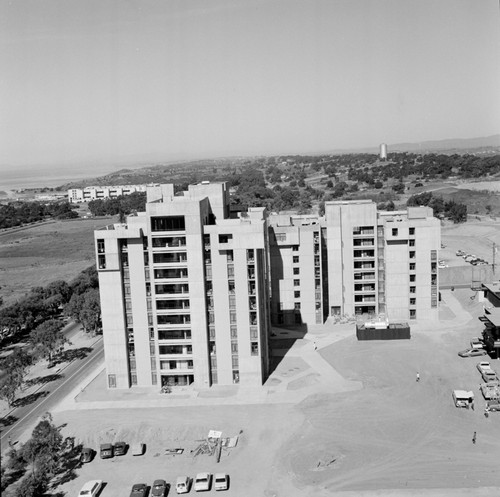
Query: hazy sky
[[202, 78]]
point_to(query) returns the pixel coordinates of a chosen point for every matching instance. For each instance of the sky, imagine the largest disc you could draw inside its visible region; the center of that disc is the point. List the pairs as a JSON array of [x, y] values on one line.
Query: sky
[[109, 80]]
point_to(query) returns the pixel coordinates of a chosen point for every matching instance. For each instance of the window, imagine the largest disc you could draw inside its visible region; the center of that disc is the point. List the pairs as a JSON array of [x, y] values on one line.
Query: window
[[133, 378], [412, 254], [413, 314], [211, 332], [295, 259], [234, 347], [100, 246], [280, 237], [295, 248], [170, 223], [235, 362], [234, 331], [232, 301], [413, 301], [232, 317], [254, 348], [297, 306], [296, 294], [412, 231], [413, 289], [111, 381], [153, 363], [230, 255], [412, 266], [296, 282], [225, 238], [412, 277], [230, 271], [296, 270], [412, 243], [230, 285], [253, 332], [101, 261], [154, 378], [394, 232]]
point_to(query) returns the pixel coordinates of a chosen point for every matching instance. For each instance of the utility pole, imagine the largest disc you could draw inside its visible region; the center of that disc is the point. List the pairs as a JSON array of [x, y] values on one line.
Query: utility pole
[[494, 252]]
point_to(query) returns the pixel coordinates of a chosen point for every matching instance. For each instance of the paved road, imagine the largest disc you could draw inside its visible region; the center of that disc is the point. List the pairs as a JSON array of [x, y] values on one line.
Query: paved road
[[51, 394]]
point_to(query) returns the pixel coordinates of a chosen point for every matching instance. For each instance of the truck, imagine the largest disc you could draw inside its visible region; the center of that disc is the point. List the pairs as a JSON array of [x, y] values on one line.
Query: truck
[[463, 398], [487, 373], [490, 391]]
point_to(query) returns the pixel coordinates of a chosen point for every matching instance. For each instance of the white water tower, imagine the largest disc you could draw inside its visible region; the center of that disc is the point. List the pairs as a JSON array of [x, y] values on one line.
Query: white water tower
[[383, 151]]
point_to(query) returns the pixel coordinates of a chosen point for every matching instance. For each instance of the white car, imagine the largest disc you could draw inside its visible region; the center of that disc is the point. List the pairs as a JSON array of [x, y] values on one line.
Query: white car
[[183, 484], [91, 488], [202, 482], [221, 481]]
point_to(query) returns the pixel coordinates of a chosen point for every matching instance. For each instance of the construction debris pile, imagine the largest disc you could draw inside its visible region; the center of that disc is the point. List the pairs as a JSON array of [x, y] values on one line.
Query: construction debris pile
[[214, 443]]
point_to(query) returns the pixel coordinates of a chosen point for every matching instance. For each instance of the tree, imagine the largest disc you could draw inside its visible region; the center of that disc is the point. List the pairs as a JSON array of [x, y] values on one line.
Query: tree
[[9, 387], [47, 338], [90, 314]]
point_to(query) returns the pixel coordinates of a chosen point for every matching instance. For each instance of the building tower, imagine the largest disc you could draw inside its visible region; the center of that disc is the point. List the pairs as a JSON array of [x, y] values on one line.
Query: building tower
[[185, 292], [383, 151]]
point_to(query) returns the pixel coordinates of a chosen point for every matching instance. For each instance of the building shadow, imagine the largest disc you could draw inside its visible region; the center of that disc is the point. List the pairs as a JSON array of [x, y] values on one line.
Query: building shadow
[[282, 339]]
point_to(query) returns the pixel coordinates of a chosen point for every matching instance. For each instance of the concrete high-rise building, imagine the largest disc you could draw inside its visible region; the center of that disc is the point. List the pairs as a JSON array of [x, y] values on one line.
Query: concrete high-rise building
[[354, 261], [188, 292], [185, 292]]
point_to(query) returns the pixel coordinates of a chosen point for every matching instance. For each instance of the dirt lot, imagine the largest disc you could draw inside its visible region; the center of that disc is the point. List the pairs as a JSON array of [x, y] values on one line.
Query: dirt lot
[[474, 237], [393, 437], [38, 255]]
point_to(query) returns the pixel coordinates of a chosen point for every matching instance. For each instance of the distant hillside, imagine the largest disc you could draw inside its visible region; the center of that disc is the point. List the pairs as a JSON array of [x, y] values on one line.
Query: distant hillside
[[452, 145]]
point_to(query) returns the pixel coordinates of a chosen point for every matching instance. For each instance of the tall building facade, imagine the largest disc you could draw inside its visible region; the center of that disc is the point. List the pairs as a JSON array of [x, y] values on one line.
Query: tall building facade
[[354, 262], [185, 292], [188, 293]]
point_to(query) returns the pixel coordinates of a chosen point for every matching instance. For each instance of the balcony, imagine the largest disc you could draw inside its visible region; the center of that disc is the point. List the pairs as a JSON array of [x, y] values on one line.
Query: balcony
[[364, 254]]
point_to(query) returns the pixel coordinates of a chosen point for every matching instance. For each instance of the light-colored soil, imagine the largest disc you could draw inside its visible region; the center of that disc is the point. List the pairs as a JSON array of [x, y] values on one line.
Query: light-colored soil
[[474, 237], [393, 437], [40, 254]]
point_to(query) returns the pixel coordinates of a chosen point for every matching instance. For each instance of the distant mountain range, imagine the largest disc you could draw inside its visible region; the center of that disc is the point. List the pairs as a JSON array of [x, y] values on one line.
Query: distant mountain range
[[449, 145]]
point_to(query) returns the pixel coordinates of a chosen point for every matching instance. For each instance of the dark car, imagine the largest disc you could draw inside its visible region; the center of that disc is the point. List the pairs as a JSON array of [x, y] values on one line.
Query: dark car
[[120, 448], [106, 451], [159, 488], [472, 352], [87, 455], [139, 490]]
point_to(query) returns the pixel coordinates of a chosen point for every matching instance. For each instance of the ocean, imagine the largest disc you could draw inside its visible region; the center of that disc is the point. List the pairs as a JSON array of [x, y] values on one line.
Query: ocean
[[15, 178]]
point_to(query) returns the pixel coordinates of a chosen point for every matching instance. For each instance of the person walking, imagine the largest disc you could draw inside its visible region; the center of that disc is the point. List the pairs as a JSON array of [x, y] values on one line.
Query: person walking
[[315, 346], [418, 376], [10, 441], [474, 438]]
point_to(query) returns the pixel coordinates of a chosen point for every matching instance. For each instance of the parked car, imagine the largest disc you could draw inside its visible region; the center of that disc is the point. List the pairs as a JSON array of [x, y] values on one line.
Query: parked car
[[137, 449], [183, 484], [159, 488], [472, 352], [487, 373], [493, 405], [87, 455], [106, 451], [120, 448], [221, 481], [139, 490], [91, 488], [202, 482]]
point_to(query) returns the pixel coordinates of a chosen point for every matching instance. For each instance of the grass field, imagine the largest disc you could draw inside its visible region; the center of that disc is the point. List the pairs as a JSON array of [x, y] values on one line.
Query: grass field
[[37, 255]]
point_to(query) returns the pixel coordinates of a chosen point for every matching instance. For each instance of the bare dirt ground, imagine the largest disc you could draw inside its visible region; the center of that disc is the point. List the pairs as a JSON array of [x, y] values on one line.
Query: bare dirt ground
[[40, 254], [393, 436], [474, 237]]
